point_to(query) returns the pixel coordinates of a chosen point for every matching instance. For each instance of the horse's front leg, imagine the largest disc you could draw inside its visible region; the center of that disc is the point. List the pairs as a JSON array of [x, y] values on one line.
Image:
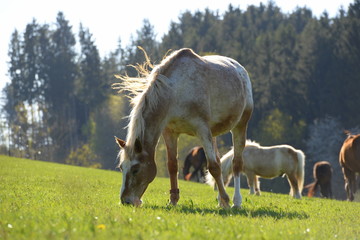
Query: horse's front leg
[[170, 139]]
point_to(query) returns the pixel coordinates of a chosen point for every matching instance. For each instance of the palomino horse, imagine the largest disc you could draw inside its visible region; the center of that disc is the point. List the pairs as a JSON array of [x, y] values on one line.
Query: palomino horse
[[350, 162], [196, 158], [185, 93], [322, 174], [268, 162]]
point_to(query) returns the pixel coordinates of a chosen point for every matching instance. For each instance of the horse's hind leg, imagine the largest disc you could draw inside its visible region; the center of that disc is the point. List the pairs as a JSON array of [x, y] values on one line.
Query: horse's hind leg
[[330, 190], [294, 186], [213, 161], [257, 186], [253, 183], [239, 139], [251, 179], [171, 147], [349, 177]]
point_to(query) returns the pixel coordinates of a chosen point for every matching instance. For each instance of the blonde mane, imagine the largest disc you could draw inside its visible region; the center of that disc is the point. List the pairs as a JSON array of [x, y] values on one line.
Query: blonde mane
[[144, 91]]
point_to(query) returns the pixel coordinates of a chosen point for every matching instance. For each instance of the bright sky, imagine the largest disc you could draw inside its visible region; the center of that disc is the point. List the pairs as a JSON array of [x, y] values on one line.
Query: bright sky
[[109, 20]]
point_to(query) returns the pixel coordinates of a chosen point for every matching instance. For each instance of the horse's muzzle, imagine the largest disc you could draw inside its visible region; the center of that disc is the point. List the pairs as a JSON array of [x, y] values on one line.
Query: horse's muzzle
[[135, 202]]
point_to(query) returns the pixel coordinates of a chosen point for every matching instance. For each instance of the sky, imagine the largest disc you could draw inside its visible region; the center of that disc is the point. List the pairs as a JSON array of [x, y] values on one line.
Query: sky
[[111, 20]]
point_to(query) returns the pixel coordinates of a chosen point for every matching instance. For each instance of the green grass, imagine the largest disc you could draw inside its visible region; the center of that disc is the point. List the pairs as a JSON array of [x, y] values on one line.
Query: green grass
[[40, 200]]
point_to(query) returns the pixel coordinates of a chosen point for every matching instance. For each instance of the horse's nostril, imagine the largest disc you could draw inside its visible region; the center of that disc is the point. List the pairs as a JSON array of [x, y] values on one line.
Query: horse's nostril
[[125, 201]]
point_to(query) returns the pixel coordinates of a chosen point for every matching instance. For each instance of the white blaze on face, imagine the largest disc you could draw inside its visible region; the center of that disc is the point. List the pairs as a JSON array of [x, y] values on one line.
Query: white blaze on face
[[125, 166], [123, 183], [128, 182]]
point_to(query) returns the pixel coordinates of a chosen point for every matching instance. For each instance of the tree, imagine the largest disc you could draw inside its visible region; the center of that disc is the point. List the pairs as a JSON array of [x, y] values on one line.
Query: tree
[[89, 87], [59, 92]]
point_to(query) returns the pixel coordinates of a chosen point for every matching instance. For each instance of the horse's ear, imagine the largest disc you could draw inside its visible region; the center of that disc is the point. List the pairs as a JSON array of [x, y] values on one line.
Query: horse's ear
[[120, 142], [138, 146], [347, 132]]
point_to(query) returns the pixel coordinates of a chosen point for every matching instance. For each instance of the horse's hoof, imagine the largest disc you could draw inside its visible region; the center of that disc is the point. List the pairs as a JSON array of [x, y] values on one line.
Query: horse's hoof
[[224, 205], [236, 207], [172, 203]]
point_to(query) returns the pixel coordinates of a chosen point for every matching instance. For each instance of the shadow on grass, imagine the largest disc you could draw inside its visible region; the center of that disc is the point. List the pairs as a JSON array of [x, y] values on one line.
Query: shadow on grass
[[257, 213]]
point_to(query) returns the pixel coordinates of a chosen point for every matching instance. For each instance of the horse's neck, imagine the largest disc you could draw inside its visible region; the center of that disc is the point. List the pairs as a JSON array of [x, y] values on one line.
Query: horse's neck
[[155, 122]]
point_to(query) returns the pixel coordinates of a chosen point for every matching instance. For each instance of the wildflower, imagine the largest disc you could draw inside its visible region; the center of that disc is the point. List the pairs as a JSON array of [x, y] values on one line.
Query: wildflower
[[101, 226]]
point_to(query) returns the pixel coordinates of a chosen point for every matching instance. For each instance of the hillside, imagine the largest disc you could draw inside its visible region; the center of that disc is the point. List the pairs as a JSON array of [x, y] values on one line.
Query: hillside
[[42, 200]]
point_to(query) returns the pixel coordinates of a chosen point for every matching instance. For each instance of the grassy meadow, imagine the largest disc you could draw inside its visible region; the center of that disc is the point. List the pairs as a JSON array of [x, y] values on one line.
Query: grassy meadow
[[42, 200]]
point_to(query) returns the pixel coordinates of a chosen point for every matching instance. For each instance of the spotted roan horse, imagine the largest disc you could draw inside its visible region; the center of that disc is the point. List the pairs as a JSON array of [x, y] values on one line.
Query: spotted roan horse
[[349, 159], [186, 93]]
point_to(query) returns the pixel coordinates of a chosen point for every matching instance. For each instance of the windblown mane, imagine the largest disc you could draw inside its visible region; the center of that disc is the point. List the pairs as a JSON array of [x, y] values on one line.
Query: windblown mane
[[145, 90]]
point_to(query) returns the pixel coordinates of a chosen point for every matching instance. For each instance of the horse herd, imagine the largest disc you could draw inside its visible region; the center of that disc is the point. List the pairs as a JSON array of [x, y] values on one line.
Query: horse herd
[[203, 96], [274, 161]]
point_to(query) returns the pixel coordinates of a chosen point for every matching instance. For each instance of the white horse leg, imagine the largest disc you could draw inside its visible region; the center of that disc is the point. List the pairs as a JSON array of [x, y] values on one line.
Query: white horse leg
[[237, 199], [237, 162], [171, 148], [239, 138]]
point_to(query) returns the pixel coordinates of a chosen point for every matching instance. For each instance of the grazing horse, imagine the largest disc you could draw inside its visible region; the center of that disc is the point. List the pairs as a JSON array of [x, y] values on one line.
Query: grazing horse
[[268, 162], [349, 159], [196, 158], [185, 93], [322, 174]]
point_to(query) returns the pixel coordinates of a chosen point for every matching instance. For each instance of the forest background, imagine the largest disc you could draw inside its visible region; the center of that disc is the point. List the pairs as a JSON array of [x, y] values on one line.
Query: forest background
[[305, 73]]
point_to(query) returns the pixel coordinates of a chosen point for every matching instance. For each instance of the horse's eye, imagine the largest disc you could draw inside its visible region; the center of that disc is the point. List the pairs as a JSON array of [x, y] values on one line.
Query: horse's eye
[[135, 169]]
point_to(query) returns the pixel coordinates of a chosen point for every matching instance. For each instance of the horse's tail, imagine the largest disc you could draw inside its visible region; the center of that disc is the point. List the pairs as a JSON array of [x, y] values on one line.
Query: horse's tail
[[300, 169], [312, 188], [226, 169]]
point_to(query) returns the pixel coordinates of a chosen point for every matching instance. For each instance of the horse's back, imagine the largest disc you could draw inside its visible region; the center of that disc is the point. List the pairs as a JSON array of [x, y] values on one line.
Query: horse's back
[[266, 162], [350, 153], [274, 160], [215, 89], [323, 171], [198, 157]]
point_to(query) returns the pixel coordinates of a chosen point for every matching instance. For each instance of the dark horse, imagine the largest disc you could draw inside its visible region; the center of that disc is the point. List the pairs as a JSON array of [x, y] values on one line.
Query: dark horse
[[322, 174], [349, 159], [196, 158]]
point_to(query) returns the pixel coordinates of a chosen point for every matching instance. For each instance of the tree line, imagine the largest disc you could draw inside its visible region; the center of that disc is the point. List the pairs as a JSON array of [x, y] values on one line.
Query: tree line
[[304, 69]]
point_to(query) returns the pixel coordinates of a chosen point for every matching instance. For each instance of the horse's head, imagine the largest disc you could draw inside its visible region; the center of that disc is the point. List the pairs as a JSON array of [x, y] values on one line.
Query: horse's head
[[138, 169]]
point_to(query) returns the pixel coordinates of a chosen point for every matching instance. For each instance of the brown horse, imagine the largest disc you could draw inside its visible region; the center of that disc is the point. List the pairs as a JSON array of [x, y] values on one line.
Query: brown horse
[[349, 159], [196, 158], [322, 174]]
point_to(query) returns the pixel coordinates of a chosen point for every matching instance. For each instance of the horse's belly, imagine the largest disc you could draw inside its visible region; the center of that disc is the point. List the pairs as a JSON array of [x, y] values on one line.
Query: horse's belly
[[266, 171], [225, 123], [182, 126], [220, 121]]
